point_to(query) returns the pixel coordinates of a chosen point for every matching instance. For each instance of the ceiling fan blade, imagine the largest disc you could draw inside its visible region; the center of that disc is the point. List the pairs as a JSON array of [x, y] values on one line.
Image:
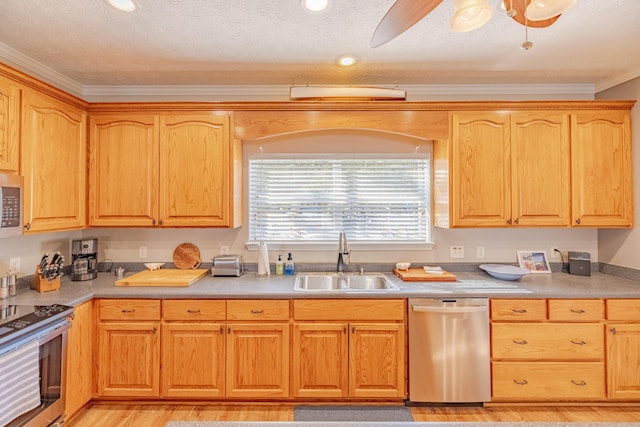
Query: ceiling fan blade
[[519, 6], [403, 15]]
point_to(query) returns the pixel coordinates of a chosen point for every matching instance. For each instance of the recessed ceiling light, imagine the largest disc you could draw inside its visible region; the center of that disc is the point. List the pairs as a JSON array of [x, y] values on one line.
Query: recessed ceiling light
[[347, 60], [315, 6], [123, 5]]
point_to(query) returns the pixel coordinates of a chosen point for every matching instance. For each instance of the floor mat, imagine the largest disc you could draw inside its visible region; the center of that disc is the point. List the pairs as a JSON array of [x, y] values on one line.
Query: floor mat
[[352, 413]]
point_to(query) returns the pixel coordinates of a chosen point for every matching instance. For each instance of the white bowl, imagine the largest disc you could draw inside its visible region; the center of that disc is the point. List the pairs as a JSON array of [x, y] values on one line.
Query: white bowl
[[504, 272], [154, 265], [403, 265]]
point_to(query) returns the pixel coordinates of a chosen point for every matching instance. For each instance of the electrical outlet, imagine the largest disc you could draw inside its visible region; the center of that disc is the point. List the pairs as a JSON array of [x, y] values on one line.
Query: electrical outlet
[[14, 265], [224, 250], [456, 251], [554, 252], [480, 252], [142, 252]]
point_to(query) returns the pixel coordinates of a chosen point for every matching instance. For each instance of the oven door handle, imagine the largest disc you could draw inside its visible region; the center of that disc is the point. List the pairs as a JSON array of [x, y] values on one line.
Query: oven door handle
[[53, 332]]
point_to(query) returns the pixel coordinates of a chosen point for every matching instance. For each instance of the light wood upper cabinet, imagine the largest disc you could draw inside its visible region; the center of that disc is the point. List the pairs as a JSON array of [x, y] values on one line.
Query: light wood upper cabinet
[[123, 170], [601, 169], [9, 126], [53, 163], [540, 169], [481, 163], [164, 170], [503, 170]]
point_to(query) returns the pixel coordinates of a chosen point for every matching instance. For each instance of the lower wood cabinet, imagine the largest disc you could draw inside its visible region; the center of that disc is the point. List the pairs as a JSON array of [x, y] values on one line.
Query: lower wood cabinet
[[128, 348], [623, 349], [338, 356], [547, 350], [79, 372]]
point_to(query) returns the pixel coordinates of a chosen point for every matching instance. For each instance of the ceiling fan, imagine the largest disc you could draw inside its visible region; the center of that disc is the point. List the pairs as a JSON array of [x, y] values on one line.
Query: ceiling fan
[[469, 15]]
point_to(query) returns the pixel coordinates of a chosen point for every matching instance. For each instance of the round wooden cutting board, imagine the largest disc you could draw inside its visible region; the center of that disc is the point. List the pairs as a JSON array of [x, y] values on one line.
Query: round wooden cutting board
[[187, 256]]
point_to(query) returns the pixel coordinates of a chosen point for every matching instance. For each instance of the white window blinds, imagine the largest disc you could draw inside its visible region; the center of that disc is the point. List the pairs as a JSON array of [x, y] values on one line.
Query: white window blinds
[[311, 198]]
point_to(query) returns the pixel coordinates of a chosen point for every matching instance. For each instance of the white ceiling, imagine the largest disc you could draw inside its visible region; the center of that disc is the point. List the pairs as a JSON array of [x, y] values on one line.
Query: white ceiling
[[86, 45]]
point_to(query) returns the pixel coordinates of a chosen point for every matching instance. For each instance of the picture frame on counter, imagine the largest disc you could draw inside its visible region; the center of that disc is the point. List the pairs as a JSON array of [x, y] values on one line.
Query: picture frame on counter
[[534, 261]]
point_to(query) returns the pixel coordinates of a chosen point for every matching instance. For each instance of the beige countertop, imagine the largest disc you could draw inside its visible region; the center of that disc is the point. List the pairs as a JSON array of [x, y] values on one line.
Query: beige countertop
[[469, 284]]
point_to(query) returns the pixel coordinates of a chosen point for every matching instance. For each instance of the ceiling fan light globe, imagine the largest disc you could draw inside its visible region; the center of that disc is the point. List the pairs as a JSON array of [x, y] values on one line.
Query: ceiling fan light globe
[[539, 10], [470, 15]]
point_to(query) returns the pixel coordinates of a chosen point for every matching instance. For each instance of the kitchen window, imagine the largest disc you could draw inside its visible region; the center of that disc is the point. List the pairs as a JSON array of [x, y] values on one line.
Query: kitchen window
[[381, 201]]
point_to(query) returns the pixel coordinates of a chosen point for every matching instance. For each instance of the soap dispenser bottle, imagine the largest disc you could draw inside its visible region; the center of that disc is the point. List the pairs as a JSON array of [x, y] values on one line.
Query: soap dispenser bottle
[[289, 268], [279, 266]]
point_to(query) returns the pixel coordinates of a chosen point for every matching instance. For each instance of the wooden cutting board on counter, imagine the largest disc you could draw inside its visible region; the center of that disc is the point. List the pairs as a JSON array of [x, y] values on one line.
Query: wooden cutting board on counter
[[166, 277], [187, 256], [419, 275]]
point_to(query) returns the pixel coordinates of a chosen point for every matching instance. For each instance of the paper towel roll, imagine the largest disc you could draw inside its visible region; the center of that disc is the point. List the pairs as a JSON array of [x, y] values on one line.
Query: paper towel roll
[[263, 260]]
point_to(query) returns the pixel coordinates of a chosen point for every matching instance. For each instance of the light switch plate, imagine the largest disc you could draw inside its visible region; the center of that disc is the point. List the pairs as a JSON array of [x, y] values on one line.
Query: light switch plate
[[456, 251]]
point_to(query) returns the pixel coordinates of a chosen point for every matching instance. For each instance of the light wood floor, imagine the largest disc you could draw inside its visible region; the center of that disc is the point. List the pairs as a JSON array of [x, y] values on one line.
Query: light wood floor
[[118, 415]]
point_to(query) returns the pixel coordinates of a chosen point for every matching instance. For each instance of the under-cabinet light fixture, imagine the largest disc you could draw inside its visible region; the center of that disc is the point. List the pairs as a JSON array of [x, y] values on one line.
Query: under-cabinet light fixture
[[345, 92]]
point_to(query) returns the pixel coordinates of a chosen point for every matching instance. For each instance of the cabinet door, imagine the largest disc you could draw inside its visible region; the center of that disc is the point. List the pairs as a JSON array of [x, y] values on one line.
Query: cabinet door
[[123, 170], [623, 360], [79, 372], [320, 360], [9, 126], [257, 360], [540, 169], [128, 357], [376, 360], [601, 169], [481, 166], [195, 162], [193, 360], [54, 164]]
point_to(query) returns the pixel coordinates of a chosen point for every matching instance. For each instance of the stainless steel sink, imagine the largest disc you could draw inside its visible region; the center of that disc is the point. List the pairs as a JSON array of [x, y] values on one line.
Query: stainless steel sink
[[331, 282]]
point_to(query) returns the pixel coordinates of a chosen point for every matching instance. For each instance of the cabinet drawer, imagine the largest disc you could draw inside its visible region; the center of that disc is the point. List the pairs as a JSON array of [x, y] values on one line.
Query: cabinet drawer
[[341, 309], [576, 310], [129, 309], [545, 381], [190, 309], [257, 310], [518, 309], [547, 341], [623, 309]]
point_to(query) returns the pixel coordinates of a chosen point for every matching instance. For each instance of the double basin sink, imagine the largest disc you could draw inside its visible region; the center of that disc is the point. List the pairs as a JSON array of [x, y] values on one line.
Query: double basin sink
[[343, 282]]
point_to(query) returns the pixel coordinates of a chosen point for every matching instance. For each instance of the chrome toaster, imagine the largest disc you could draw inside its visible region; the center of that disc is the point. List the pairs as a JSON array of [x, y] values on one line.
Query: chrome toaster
[[227, 265]]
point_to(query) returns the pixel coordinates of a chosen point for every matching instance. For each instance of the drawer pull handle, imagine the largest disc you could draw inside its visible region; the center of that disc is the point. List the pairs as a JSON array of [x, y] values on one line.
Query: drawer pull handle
[[582, 383], [578, 342], [523, 382], [523, 342], [257, 311], [522, 310], [193, 311], [125, 311], [578, 311]]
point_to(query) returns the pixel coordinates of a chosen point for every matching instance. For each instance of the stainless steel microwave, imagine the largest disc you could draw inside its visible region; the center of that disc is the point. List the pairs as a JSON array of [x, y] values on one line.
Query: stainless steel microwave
[[11, 204]]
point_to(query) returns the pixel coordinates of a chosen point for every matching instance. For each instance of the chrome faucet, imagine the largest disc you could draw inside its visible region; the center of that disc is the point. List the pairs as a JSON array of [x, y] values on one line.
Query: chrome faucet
[[343, 251]]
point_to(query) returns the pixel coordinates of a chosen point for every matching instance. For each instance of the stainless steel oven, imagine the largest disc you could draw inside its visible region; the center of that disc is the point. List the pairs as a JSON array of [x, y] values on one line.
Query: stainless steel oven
[[33, 351]]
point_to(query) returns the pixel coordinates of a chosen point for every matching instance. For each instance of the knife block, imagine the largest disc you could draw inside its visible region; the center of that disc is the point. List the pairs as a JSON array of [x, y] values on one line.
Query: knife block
[[44, 285]]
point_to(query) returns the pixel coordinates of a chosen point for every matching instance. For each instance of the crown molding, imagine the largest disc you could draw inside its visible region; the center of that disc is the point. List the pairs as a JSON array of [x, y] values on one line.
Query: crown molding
[[141, 93], [33, 68]]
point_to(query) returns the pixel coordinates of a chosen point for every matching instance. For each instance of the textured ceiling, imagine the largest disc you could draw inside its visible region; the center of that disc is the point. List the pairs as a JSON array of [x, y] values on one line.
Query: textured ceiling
[[274, 42]]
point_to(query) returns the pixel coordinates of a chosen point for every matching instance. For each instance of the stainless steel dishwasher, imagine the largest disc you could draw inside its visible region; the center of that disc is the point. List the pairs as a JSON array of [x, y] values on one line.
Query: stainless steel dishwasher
[[449, 354]]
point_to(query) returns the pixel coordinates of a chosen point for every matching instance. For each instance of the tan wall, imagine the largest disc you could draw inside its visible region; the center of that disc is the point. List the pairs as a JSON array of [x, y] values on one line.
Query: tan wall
[[621, 247]]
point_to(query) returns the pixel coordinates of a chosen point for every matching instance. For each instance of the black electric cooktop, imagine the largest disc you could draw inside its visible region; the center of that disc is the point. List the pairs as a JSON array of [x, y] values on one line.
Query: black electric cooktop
[[20, 320]]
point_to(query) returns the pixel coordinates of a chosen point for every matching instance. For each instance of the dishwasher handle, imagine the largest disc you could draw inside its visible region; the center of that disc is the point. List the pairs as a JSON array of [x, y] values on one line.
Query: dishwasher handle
[[451, 310]]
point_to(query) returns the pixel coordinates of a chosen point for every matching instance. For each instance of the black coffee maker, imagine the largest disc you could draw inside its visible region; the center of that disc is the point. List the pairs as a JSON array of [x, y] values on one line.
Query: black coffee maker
[[84, 256]]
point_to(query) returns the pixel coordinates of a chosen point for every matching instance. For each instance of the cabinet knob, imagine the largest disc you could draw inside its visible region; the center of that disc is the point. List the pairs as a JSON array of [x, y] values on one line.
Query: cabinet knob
[[509, 221], [613, 331], [161, 222], [153, 221], [27, 226], [578, 221], [517, 221]]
